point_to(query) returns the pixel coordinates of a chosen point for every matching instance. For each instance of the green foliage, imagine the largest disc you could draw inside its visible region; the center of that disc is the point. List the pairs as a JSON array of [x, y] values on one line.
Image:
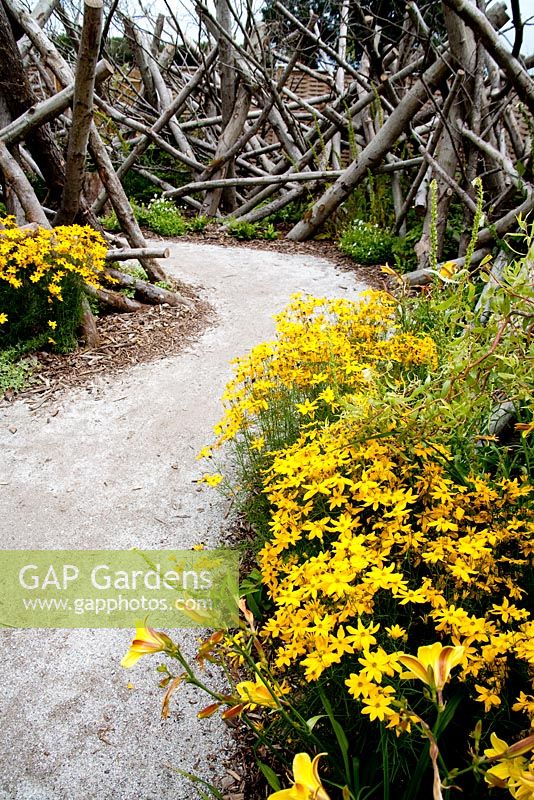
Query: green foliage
[[197, 224], [290, 214], [31, 307], [246, 231], [110, 222], [367, 243], [15, 371], [403, 248], [161, 216], [135, 270]]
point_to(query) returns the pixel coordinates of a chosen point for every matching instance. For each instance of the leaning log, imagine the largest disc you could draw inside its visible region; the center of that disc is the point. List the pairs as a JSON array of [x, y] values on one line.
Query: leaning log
[[147, 291], [484, 30], [371, 155], [48, 109], [138, 252], [14, 177], [115, 300]]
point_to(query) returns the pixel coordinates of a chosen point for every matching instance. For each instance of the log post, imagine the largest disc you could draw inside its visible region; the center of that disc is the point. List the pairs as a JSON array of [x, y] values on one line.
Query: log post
[[82, 112]]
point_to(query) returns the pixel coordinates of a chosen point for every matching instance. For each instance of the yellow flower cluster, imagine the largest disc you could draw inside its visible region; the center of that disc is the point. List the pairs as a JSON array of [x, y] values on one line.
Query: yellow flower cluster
[[45, 256], [512, 771], [378, 540], [326, 349], [357, 528]]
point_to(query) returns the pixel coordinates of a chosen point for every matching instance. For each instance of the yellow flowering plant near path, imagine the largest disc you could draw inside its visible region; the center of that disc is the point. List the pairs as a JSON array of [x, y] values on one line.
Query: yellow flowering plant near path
[[42, 273], [389, 620]]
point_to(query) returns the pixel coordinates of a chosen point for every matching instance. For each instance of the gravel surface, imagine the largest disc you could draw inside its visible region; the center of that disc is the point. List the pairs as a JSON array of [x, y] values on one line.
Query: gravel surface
[[112, 465]]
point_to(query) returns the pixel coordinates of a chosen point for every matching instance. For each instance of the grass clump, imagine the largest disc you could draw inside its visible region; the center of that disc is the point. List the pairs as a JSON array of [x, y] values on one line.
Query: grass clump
[[367, 243], [246, 231]]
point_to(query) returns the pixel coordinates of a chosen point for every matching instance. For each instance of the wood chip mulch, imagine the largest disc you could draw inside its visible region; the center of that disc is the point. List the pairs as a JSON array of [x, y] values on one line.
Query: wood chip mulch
[[127, 340]]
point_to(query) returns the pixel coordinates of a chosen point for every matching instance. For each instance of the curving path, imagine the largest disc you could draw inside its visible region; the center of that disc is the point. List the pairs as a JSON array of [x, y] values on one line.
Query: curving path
[[115, 468]]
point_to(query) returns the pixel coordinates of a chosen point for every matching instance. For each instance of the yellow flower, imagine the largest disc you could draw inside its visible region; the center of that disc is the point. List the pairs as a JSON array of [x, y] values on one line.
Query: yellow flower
[[486, 696], [146, 642], [3, 318], [378, 704], [307, 409], [213, 480], [256, 693], [525, 427], [433, 664], [396, 632], [307, 784], [52, 324], [448, 269]]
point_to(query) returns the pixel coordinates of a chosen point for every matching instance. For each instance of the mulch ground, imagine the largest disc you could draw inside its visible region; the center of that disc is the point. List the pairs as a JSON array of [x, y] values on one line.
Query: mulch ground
[[127, 340]]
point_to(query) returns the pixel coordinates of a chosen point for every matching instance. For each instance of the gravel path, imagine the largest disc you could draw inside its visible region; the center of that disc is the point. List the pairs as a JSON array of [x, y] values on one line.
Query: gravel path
[[113, 466]]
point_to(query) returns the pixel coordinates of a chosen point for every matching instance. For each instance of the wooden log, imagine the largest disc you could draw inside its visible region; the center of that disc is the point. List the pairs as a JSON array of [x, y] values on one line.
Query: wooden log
[[178, 103], [148, 292], [466, 199], [135, 125], [371, 155], [422, 277], [165, 100], [495, 155], [88, 324], [229, 137], [41, 13], [141, 60], [19, 183], [47, 110], [120, 203], [515, 72], [115, 300], [82, 111], [124, 254]]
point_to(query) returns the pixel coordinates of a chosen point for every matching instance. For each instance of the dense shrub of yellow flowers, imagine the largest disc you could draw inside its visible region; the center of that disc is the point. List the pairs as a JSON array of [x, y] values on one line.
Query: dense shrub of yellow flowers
[[389, 623], [41, 269], [376, 542]]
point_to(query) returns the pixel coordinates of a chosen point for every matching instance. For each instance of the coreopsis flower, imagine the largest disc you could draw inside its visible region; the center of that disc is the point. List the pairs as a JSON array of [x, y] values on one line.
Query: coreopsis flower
[[146, 642], [307, 784]]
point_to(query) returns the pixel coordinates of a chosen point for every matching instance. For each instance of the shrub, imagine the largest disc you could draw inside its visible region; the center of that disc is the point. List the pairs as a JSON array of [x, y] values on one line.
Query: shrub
[[161, 216], [367, 243], [110, 222], [251, 230], [197, 224], [42, 274]]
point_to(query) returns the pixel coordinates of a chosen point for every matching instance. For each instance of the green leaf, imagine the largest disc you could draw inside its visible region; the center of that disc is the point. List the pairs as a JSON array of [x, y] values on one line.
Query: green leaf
[[312, 721], [270, 776], [196, 780]]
